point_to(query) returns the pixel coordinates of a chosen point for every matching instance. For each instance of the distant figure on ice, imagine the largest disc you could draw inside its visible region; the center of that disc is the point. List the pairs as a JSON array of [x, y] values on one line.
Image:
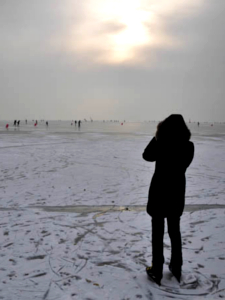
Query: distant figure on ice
[[79, 123], [173, 152], [26, 121], [198, 123], [75, 122], [46, 123], [18, 123], [15, 122]]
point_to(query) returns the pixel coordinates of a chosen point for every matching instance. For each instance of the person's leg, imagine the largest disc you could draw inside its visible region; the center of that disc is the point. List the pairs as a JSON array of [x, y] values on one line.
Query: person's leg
[[176, 246], [157, 245]]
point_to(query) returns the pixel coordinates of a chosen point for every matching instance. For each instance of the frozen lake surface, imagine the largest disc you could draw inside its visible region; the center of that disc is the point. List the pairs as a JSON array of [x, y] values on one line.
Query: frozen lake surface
[[73, 222]]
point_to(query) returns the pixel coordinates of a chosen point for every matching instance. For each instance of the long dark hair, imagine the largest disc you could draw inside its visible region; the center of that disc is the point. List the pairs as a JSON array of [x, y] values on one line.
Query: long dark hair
[[173, 128]]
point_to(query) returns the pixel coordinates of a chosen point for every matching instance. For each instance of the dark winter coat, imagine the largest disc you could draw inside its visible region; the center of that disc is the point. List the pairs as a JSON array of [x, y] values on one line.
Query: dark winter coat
[[167, 189]]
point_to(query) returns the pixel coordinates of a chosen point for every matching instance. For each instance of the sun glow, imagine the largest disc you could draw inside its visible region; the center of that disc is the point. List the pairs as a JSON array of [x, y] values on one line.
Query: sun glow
[[112, 31], [134, 33]]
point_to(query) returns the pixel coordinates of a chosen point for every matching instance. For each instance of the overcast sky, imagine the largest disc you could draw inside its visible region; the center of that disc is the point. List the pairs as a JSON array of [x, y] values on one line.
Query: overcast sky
[[112, 59]]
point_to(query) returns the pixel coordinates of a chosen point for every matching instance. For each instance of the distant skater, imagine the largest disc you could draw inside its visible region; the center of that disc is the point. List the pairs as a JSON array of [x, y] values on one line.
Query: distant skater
[[173, 152], [46, 123], [15, 122], [79, 122], [75, 122], [18, 123]]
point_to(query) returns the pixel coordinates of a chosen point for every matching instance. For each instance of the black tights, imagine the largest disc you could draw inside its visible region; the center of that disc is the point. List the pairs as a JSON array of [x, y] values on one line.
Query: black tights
[[157, 243]]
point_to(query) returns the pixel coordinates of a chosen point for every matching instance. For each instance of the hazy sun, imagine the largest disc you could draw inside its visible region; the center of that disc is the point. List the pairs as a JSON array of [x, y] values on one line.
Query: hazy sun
[[130, 14]]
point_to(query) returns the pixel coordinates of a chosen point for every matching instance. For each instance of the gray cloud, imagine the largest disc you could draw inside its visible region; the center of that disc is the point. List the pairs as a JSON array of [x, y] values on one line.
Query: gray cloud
[[112, 26]]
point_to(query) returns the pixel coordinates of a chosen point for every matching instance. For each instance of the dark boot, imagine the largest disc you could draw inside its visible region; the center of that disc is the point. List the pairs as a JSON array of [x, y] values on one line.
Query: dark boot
[[176, 271], [153, 275]]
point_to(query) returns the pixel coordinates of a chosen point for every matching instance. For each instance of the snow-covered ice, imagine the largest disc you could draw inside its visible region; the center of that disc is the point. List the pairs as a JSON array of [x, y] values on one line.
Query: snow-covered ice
[[97, 243]]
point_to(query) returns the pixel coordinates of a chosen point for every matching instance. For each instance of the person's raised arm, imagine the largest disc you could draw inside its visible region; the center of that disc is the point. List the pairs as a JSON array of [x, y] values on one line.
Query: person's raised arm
[[150, 151], [190, 154]]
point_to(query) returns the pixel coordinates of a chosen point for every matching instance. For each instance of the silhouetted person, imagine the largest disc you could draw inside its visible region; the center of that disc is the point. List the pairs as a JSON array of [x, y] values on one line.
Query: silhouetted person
[[46, 123], [198, 123], [18, 123], [26, 121], [75, 122], [15, 122], [79, 122], [173, 152]]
